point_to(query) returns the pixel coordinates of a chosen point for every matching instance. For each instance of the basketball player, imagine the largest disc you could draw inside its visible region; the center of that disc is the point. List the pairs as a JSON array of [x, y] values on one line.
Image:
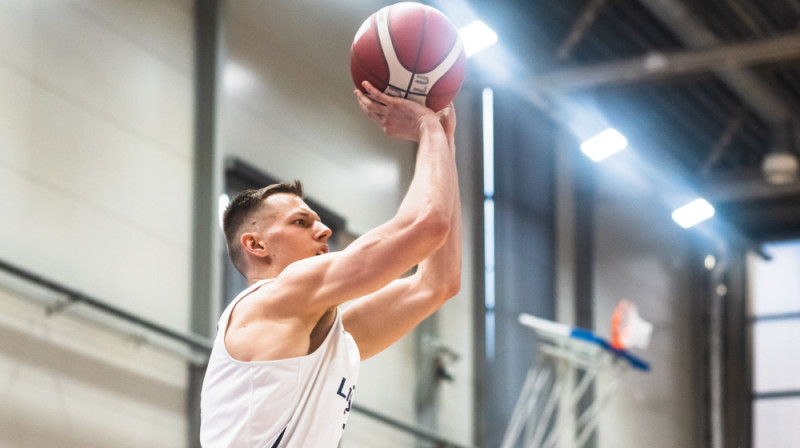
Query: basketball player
[[285, 361]]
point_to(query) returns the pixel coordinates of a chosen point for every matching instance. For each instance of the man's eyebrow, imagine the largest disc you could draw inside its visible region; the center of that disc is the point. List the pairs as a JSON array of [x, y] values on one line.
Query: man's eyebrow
[[307, 214]]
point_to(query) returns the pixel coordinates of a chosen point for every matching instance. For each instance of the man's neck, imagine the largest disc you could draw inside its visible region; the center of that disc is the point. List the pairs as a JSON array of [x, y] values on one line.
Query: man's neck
[[262, 275]]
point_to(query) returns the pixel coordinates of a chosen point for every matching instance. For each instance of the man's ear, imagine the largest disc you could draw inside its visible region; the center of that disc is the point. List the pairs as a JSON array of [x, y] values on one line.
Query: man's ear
[[252, 245]]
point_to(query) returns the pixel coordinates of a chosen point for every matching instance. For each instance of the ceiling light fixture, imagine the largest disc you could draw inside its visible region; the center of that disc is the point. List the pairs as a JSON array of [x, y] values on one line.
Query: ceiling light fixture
[[780, 165], [693, 213], [604, 144]]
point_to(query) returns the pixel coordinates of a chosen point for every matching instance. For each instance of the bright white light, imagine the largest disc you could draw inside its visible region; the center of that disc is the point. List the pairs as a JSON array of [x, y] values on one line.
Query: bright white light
[[488, 221], [222, 204], [693, 213], [604, 144], [488, 142], [237, 78], [476, 36], [710, 262]]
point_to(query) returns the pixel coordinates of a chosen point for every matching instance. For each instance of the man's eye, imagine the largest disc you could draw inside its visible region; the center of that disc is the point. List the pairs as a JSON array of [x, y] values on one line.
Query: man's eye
[[300, 221]]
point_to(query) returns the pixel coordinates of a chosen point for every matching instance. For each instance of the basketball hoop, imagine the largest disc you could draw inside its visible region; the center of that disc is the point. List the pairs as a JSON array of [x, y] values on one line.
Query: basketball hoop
[[549, 399], [628, 329]]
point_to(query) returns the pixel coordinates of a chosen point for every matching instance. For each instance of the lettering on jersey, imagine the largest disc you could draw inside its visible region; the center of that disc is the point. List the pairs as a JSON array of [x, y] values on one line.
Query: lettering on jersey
[[346, 393]]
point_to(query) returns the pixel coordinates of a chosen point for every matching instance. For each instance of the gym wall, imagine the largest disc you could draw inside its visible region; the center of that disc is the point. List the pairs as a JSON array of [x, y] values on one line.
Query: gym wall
[[96, 116]]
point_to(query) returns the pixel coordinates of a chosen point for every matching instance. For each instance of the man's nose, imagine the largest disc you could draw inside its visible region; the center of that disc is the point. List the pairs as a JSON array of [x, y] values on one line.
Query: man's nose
[[323, 231]]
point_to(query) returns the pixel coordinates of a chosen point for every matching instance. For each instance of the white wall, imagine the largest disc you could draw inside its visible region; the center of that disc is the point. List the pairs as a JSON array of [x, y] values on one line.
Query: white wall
[[95, 187]]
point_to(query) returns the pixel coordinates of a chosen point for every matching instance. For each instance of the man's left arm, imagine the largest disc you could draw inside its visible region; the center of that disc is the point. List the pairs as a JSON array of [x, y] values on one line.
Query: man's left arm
[[378, 320]]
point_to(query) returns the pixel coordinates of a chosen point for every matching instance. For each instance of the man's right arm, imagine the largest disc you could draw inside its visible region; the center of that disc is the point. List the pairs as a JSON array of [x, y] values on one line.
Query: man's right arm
[[420, 226]]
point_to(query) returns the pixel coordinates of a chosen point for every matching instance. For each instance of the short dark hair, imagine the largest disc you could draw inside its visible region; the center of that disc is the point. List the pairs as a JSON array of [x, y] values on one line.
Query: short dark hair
[[241, 208]]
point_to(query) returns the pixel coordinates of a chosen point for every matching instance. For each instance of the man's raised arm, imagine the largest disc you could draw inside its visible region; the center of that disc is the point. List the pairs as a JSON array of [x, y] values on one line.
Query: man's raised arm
[[380, 319], [420, 226]]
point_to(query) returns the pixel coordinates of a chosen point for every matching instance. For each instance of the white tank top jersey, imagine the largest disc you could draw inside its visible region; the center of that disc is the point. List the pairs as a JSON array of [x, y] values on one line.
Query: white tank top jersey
[[298, 402]]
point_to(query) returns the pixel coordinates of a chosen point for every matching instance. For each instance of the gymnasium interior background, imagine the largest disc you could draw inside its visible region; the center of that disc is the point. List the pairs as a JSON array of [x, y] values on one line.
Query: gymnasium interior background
[[122, 123]]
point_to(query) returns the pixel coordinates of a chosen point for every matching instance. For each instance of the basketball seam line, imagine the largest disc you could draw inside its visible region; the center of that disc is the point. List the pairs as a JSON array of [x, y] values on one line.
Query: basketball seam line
[[419, 52]]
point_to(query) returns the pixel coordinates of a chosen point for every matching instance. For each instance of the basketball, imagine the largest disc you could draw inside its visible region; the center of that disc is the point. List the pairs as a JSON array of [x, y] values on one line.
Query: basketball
[[410, 50]]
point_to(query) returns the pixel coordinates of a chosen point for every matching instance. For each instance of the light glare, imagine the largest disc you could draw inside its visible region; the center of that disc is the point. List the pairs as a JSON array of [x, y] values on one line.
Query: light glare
[[222, 204], [477, 36], [693, 213], [237, 79], [604, 144], [488, 142]]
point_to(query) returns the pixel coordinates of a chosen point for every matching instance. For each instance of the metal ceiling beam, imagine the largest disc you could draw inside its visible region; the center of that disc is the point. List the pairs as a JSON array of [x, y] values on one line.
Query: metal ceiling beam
[[707, 54], [662, 65], [747, 186], [733, 126], [677, 16], [579, 28]]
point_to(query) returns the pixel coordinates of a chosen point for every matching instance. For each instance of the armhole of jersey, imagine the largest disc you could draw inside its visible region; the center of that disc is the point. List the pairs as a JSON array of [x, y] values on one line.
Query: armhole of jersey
[[224, 330], [278, 440]]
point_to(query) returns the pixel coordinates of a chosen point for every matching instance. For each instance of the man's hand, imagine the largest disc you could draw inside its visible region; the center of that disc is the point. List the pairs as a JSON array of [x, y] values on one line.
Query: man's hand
[[398, 117], [447, 117]]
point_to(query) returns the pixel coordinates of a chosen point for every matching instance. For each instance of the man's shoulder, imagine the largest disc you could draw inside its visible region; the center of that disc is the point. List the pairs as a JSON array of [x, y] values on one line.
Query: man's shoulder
[[273, 301], [258, 299]]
